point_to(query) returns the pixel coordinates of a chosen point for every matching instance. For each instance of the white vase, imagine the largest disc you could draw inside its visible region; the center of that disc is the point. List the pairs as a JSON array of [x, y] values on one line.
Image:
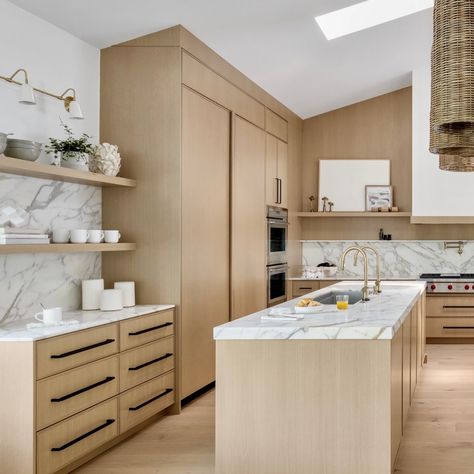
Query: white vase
[[75, 160], [105, 160]]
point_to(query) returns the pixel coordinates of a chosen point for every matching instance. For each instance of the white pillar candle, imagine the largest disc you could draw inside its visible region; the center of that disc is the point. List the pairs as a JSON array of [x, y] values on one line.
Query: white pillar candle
[[91, 291], [128, 292], [111, 300]]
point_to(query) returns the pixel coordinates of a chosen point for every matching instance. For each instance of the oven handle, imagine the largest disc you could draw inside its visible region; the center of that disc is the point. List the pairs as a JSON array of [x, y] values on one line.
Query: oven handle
[[276, 221], [277, 269]]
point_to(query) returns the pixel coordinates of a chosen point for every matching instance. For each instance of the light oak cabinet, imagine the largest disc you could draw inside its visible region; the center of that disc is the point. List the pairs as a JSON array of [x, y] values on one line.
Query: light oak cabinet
[[303, 287], [276, 172], [79, 412], [248, 224]]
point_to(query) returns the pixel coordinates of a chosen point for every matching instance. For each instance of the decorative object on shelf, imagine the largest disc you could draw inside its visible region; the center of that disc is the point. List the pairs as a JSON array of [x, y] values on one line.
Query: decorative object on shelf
[[79, 236], [312, 199], [459, 245], [3, 141], [61, 236], [91, 292], [9, 216], [74, 151], [27, 96], [452, 85], [128, 292], [50, 316], [95, 236], [23, 149], [112, 236], [105, 160], [325, 202], [331, 205], [383, 236], [111, 300], [378, 196]]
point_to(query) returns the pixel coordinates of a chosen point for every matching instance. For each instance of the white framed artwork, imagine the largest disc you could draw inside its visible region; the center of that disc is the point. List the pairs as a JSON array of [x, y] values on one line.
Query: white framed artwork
[[343, 182]]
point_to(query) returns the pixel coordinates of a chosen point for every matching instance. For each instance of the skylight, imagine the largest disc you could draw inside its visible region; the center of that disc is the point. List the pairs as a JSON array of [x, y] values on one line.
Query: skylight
[[367, 14]]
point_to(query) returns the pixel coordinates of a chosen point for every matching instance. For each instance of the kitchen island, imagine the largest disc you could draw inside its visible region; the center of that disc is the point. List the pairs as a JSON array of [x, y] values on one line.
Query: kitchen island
[[326, 394]]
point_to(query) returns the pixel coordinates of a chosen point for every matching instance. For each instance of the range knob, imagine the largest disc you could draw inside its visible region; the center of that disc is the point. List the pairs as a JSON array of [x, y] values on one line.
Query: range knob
[[433, 287], [467, 287], [450, 287]]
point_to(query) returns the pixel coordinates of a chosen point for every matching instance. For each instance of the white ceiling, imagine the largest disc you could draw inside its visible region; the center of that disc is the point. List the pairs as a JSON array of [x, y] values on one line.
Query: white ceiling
[[274, 42]]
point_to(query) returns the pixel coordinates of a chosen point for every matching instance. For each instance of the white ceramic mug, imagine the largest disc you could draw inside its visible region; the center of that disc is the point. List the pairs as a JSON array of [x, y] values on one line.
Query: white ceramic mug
[[111, 300], [79, 236], [95, 236], [112, 236], [61, 236], [128, 292], [51, 316]]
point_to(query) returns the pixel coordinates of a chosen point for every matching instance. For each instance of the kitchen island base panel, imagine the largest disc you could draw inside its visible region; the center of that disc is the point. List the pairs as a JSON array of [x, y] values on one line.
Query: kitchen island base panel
[[292, 407]]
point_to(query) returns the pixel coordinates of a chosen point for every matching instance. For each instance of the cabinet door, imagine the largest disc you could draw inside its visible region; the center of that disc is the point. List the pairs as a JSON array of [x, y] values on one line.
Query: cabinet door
[[205, 235], [406, 366], [396, 399], [248, 280], [271, 170], [282, 173], [414, 330]]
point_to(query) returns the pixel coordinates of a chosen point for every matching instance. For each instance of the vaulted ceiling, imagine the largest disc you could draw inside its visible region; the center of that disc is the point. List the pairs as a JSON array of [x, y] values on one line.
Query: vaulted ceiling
[[274, 42]]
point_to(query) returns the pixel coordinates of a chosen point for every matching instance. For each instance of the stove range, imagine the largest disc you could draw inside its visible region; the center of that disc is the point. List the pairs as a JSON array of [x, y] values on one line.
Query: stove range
[[449, 282]]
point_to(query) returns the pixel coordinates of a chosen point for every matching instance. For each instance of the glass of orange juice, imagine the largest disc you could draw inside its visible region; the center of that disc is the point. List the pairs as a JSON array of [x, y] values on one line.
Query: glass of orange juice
[[342, 302]]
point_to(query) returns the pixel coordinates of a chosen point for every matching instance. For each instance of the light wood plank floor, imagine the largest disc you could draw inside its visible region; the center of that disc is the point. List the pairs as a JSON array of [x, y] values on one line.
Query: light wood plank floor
[[439, 435]]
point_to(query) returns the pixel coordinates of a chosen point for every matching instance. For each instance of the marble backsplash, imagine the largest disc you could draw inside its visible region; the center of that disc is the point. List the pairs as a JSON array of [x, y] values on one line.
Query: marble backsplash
[[399, 259], [26, 280]]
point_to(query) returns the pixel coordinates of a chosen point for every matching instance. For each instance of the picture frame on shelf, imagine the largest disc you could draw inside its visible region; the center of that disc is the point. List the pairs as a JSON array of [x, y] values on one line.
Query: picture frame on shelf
[[378, 197]]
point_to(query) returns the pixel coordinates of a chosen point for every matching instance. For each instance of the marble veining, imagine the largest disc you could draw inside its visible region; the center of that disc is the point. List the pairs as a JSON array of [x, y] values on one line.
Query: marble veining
[[28, 279], [380, 318], [399, 259], [18, 331]]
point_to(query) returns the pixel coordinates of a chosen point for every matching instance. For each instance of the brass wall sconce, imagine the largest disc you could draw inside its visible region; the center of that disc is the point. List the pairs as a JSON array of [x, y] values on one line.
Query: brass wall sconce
[[27, 94]]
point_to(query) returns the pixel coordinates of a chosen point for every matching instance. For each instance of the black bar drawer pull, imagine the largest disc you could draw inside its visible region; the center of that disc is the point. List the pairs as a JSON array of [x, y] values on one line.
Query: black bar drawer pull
[[82, 390], [82, 349], [85, 435], [154, 328], [162, 394], [154, 361], [458, 327], [304, 288], [458, 307]]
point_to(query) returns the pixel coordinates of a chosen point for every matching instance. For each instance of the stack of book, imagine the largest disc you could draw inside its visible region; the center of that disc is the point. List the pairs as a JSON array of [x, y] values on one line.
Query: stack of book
[[16, 236]]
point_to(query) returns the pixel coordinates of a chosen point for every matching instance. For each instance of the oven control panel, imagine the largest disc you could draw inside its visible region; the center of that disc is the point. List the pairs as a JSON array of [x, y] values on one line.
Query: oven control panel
[[450, 287]]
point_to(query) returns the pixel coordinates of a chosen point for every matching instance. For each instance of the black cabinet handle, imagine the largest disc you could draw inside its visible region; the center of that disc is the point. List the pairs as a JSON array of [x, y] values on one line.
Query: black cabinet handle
[[458, 307], [458, 327], [304, 288], [82, 349], [154, 328], [279, 191], [85, 435], [82, 390], [162, 394], [154, 361]]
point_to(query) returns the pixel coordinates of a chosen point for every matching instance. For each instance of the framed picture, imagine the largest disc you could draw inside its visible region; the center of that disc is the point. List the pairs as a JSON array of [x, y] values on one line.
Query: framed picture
[[378, 196]]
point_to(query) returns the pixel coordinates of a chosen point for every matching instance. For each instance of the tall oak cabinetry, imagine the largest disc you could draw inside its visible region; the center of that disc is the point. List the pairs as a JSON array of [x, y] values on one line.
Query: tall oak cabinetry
[[198, 144]]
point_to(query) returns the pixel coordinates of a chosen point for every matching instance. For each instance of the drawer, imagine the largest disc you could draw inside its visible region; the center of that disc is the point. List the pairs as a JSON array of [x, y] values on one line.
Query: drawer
[[63, 443], [449, 327], [456, 306], [137, 331], [326, 283], [146, 362], [143, 401], [300, 288], [61, 353], [62, 395]]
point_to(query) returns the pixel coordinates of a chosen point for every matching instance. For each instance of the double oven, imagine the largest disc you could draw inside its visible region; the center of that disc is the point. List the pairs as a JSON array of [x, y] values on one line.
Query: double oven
[[277, 260]]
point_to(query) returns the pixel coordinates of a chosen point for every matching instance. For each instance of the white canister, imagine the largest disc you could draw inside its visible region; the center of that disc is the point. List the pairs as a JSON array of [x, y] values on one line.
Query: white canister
[[111, 300], [128, 292], [91, 291]]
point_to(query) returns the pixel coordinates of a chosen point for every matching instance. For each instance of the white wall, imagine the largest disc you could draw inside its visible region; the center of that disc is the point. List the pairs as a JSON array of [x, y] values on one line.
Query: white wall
[[435, 192], [55, 61]]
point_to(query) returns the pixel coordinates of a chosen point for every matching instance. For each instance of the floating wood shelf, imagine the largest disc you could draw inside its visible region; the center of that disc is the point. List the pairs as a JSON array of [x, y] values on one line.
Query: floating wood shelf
[[353, 214], [41, 170], [66, 248]]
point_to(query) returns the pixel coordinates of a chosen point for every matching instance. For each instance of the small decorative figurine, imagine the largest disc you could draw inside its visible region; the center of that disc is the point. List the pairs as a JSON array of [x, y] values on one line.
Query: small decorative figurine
[[331, 205], [325, 202], [311, 203]]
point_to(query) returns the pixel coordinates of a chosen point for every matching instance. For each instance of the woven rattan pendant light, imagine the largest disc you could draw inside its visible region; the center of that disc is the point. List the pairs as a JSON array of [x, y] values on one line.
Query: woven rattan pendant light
[[452, 87]]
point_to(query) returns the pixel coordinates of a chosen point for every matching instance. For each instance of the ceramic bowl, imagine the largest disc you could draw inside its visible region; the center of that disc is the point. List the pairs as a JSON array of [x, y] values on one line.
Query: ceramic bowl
[[23, 149], [3, 141]]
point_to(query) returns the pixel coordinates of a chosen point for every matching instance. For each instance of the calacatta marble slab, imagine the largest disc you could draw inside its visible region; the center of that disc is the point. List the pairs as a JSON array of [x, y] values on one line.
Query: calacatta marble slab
[[380, 318], [18, 330]]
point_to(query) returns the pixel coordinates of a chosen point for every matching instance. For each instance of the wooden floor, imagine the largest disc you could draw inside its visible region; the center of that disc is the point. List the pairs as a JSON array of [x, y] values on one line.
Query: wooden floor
[[439, 436]]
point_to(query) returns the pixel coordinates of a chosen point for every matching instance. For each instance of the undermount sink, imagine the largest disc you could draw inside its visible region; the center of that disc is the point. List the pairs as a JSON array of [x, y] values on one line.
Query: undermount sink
[[330, 297]]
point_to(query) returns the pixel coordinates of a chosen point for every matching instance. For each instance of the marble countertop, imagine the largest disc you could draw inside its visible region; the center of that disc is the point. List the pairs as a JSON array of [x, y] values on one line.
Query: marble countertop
[[380, 318], [339, 277], [18, 331]]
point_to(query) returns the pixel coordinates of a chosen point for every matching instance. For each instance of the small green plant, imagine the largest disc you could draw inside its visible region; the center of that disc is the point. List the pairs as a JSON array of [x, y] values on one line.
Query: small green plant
[[71, 144]]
